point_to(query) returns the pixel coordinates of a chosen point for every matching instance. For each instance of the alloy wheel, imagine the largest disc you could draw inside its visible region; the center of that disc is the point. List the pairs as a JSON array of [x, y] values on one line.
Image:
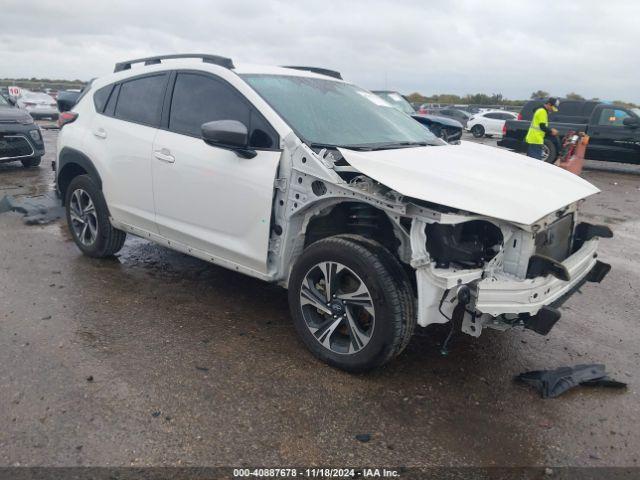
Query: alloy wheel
[[337, 308], [84, 220]]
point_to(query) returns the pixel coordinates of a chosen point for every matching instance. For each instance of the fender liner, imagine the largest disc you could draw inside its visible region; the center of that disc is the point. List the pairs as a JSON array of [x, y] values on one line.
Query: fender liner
[[70, 156]]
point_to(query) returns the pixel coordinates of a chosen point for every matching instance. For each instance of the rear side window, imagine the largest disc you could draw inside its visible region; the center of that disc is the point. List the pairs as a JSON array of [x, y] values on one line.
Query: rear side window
[[101, 96], [494, 116], [140, 100], [199, 99], [110, 109]]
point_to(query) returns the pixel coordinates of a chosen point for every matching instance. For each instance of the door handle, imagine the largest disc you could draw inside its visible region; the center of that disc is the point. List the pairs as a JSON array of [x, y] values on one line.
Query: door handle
[[164, 155], [100, 133]]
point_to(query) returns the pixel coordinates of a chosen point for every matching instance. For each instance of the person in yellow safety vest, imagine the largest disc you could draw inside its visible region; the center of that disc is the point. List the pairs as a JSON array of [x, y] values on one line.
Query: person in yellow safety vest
[[539, 127]]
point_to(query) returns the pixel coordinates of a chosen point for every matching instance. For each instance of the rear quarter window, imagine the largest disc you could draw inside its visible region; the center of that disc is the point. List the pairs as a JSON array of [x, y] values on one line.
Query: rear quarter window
[[101, 97]]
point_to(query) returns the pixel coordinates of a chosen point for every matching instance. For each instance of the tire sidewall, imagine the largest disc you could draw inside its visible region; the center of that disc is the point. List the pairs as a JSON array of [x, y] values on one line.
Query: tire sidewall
[[86, 183], [376, 351]]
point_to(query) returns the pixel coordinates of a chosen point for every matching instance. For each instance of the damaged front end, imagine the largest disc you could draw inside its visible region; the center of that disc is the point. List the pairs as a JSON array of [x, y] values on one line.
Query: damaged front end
[[485, 273], [495, 269]]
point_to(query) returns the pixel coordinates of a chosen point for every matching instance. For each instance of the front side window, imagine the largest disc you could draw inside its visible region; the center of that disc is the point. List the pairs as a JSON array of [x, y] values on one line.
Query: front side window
[[613, 117], [333, 113], [140, 100], [198, 99]]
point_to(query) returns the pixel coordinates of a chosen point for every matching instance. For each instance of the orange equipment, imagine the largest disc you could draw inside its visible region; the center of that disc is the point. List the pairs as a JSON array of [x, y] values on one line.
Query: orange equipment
[[574, 146]]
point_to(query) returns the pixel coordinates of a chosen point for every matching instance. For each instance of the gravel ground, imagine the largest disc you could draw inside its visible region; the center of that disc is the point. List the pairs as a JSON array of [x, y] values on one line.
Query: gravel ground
[[156, 358]]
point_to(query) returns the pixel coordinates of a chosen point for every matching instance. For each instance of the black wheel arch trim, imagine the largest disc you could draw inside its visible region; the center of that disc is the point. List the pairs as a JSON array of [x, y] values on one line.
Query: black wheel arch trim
[[70, 156]]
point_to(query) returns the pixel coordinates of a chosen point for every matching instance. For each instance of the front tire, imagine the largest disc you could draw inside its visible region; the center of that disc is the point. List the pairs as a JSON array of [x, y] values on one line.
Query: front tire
[[31, 162], [477, 131], [351, 302], [88, 219]]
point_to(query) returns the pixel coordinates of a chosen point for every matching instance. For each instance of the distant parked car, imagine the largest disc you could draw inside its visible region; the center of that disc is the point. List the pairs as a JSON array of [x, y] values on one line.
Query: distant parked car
[[442, 127], [67, 99], [38, 104], [455, 113], [20, 138], [489, 123], [429, 108]]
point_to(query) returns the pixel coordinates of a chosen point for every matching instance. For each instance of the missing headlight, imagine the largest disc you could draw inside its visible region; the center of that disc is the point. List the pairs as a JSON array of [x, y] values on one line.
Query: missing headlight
[[468, 244]]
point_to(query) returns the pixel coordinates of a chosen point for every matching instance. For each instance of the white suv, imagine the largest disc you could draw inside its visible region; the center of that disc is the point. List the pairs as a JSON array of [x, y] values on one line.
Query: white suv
[[293, 176]]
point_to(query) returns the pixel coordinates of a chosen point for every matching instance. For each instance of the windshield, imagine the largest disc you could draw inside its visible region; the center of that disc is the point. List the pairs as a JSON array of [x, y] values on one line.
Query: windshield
[[3, 102], [329, 113], [636, 111], [396, 100]]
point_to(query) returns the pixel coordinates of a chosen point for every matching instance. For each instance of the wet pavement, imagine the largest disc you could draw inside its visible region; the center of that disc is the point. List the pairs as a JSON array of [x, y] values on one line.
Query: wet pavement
[[156, 358]]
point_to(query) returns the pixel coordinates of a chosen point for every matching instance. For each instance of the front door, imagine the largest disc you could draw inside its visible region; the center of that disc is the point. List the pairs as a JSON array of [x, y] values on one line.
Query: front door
[[207, 197], [610, 139]]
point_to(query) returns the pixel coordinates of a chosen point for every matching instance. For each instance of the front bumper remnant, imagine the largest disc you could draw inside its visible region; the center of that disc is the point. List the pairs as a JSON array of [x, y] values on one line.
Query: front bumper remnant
[[543, 321], [498, 296]]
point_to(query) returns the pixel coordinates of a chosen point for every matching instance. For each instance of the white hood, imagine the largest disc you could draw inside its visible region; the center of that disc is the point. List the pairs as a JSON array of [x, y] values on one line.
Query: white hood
[[476, 178]]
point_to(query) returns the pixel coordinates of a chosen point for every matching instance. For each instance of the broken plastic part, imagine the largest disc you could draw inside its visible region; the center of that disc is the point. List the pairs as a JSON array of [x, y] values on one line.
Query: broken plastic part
[[598, 272], [552, 383], [541, 266], [543, 321]]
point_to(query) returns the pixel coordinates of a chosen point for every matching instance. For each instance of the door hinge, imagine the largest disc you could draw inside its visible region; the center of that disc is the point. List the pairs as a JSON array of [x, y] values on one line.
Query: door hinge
[[280, 184]]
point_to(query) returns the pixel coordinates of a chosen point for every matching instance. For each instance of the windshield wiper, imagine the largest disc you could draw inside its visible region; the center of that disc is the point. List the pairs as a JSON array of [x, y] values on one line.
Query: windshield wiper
[[387, 146], [350, 147]]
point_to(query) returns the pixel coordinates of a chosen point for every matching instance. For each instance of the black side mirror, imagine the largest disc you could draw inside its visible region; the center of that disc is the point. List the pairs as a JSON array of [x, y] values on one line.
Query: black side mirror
[[631, 122], [230, 134], [11, 100]]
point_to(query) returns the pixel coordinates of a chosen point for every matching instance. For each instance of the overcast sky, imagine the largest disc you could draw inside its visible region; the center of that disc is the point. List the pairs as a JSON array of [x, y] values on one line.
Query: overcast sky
[[443, 46]]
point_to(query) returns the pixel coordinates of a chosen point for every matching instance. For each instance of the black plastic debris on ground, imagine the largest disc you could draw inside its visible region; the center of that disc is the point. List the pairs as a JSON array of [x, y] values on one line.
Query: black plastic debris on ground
[[552, 383], [38, 210]]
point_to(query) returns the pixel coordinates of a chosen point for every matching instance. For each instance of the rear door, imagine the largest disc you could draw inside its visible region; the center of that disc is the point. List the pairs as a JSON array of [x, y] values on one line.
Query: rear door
[[493, 123], [123, 137], [612, 140], [207, 197]]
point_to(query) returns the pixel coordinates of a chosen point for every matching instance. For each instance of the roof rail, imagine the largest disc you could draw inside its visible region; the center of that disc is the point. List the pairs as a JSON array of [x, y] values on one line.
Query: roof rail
[[320, 71], [215, 59]]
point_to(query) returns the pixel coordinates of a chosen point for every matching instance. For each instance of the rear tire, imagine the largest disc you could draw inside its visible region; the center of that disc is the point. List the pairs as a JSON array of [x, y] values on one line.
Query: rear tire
[[88, 219], [366, 317], [549, 151], [477, 131], [31, 162]]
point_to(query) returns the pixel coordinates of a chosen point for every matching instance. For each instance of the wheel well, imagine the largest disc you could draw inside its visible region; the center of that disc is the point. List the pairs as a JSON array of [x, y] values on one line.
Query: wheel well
[[353, 218], [71, 163], [68, 173]]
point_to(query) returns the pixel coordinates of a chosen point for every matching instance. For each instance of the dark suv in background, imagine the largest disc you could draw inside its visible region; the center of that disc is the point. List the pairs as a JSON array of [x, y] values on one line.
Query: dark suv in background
[[20, 138]]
